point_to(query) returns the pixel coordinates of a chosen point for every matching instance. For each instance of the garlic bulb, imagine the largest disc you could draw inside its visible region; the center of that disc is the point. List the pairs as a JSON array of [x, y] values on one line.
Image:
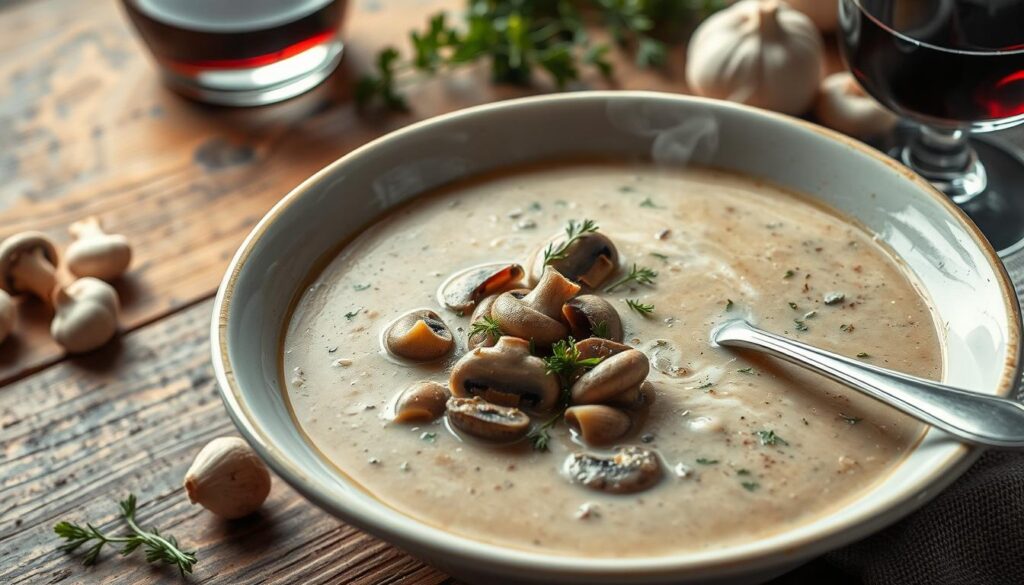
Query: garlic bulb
[[844, 106], [228, 478], [823, 13], [757, 52]]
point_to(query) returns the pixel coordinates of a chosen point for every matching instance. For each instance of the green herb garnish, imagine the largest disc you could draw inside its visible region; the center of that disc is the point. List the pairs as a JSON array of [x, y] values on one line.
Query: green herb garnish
[[638, 274], [747, 370], [863, 354], [485, 327], [359, 287], [793, 306], [429, 436], [661, 257], [728, 304], [704, 461], [642, 308], [648, 202], [800, 325], [769, 438], [788, 274], [750, 485], [159, 548], [573, 232], [565, 361], [742, 472], [352, 314], [600, 330], [540, 436]]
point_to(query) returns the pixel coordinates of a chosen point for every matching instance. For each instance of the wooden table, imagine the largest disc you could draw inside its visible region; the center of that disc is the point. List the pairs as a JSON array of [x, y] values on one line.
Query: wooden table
[[86, 128]]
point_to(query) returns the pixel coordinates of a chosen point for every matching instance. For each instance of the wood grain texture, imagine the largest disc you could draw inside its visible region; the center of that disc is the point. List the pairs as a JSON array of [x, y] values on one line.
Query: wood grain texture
[[130, 418]]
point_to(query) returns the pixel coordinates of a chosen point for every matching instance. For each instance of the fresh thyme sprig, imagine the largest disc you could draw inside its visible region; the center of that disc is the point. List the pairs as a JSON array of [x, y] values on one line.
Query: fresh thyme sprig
[[573, 232], [158, 548], [642, 308], [486, 327], [638, 274], [566, 362]]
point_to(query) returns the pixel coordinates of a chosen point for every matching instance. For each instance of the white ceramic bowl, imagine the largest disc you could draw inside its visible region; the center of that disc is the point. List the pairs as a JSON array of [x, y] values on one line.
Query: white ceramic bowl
[[956, 267]]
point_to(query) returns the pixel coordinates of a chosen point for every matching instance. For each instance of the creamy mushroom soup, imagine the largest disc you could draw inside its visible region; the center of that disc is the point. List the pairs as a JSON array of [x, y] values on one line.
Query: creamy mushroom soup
[[634, 438]]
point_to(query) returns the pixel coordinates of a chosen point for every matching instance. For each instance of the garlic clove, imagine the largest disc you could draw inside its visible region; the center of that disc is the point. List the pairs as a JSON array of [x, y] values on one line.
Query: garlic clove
[[757, 52], [844, 106], [96, 253], [228, 478], [85, 314]]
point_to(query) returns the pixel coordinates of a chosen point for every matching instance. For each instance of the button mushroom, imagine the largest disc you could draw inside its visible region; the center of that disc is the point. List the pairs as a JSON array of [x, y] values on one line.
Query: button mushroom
[[506, 374], [479, 418], [537, 315], [597, 424], [421, 402], [420, 336], [27, 265], [630, 470], [464, 289], [592, 316], [486, 336], [589, 260], [95, 252], [7, 315], [618, 374], [85, 314], [597, 347]]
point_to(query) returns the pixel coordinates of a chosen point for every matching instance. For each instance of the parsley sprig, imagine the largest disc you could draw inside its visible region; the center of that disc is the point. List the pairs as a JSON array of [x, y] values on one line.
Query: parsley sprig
[[159, 548], [517, 37], [573, 232]]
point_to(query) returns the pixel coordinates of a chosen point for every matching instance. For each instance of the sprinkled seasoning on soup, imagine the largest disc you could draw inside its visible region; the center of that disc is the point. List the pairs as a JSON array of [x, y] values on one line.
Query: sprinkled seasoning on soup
[[523, 359]]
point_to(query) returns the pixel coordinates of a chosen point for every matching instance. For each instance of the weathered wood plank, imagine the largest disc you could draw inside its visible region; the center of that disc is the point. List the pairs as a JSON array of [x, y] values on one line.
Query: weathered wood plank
[[81, 435]]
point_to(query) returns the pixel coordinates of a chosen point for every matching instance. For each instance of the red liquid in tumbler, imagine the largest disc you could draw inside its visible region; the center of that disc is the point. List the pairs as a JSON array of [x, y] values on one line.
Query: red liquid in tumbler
[[954, 61], [190, 36]]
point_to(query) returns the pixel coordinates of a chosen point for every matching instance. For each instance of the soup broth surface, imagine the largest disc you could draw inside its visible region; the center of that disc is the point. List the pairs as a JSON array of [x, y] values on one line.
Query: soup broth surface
[[750, 446]]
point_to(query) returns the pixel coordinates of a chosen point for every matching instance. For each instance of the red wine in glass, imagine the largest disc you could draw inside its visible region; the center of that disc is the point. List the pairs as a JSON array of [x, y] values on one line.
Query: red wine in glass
[[955, 67], [946, 61], [241, 52]]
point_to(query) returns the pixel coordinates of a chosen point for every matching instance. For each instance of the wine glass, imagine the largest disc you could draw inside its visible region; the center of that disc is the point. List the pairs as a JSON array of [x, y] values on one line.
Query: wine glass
[[956, 68]]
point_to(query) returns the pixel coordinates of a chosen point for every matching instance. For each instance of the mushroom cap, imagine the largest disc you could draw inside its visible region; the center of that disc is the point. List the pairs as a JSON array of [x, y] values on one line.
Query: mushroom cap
[[587, 313], [422, 402], [419, 335], [598, 347], [98, 254], [505, 374], [479, 418], [630, 470], [619, 373], [518, 319], [597, 424], [17, 246], [85, 315], [8, 315], [589, 260], [466, 288]]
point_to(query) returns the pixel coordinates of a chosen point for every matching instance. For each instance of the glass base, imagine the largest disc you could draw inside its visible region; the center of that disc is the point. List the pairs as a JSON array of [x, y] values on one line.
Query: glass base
[[999, 211], [258, 86]]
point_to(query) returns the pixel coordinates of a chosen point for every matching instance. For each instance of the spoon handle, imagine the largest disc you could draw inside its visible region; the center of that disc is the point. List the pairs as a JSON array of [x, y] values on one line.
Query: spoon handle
[[974, 418]]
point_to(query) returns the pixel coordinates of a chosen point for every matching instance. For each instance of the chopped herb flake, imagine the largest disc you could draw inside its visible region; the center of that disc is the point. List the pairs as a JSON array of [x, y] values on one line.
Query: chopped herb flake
[[661, 257], [648, 202], [846, 328], [789, 274], [626, 189], [750, 485], [769, 438], [352, 314], [429, 437], [742, 472], [793, 306], [863, 354], [359, 287], [834, 298], [746, 370], [800, 325], [728, 304], [535, 206], [705, 386], [704, 461]]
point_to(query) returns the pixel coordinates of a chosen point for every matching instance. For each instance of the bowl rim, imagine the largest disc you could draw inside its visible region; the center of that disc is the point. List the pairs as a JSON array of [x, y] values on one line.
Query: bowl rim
[[407, 531]]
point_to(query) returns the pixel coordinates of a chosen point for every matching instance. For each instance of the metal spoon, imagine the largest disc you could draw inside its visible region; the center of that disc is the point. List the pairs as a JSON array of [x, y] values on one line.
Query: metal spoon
[[974, 418]]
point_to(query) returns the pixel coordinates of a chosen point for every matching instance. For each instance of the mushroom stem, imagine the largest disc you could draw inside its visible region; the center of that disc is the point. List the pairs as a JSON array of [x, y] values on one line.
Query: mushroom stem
[[34, 272], [551, 293]]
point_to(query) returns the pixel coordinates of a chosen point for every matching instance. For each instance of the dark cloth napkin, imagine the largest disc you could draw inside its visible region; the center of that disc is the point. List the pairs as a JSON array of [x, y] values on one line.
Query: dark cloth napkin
[[970, 534]]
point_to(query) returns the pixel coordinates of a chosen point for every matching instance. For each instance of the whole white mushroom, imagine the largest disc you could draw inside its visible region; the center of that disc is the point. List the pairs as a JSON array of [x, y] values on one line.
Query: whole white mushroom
[[85, 314], [95, 252]]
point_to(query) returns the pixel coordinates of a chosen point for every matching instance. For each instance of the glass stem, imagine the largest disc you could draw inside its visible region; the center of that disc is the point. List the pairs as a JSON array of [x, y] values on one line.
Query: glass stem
[[945, 157]]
